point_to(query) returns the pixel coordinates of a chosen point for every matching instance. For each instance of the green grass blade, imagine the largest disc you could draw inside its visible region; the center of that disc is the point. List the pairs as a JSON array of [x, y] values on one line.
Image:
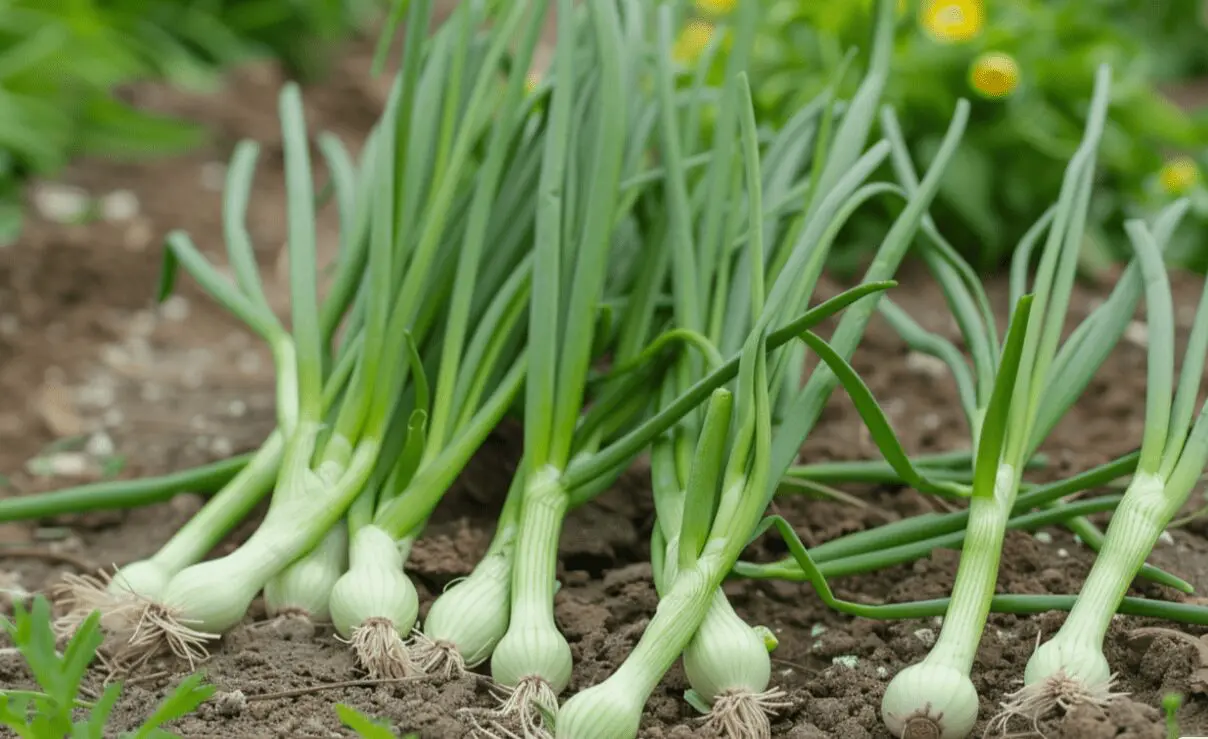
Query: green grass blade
[[185, 699]]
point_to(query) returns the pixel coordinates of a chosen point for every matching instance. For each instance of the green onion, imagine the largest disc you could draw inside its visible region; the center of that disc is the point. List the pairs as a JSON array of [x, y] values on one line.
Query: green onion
[[1071, 668], [708, 505], [936, 695]]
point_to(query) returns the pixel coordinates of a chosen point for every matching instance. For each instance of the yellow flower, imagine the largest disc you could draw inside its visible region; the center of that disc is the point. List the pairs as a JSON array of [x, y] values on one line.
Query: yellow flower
[[1179, 175], [994, 74], [692, 41], [715, 7], [953, 20]]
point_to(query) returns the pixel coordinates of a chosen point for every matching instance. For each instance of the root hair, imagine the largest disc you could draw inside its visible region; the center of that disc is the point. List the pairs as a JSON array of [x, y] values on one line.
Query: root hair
[[741, 714], [1058, 692], [380, 650]]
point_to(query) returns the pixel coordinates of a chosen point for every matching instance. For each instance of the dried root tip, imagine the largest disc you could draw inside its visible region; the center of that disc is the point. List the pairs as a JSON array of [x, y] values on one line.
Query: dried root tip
[[136, 628], [528, 704], [159, 626], [77, 596], [1056, 692], [437, 657], [740, 714], [381, 651]]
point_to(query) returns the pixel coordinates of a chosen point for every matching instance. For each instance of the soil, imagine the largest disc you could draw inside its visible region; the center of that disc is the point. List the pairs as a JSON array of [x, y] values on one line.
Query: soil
[[86, 357]]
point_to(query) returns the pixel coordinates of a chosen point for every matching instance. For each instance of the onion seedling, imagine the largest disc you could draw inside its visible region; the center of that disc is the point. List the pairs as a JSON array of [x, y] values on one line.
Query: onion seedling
[[1071, 668]]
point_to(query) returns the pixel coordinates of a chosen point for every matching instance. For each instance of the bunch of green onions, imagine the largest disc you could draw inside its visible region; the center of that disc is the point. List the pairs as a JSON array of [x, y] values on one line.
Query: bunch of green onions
[[645, 280]]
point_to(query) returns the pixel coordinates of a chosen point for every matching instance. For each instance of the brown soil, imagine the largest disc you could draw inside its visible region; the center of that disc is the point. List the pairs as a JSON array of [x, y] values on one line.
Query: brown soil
[[83, 353]]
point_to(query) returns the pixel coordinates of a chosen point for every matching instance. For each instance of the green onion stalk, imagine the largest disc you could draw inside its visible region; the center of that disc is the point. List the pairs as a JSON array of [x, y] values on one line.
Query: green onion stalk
[[124, 597], [936, 696], [577, 202], [329, 458], [905, 541], [1071, 668], [479, 375], [743, 660], [706, 517], [568, 277]]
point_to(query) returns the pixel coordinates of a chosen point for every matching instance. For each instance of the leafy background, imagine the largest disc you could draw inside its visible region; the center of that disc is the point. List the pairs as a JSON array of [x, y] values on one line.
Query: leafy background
[[1010, 163], [63, 64]]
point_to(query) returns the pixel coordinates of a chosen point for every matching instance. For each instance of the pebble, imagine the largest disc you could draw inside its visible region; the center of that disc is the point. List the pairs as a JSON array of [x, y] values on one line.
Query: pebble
[[139, 234], [213, 176], [1137, 333], [927, 636], [230, 704], [1062, 553], [193, 377], [60, 203], [119, 205], [141, 323], [249, 363], [62, 464], [175, 308], [221, 446], [1166, 538], [1044, 537], [100, 445], [846, 660], [237, 409], [926, 364], [817, 630]]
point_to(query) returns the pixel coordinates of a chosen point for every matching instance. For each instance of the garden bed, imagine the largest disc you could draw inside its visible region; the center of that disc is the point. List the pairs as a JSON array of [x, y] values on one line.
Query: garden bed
[[84, 355]]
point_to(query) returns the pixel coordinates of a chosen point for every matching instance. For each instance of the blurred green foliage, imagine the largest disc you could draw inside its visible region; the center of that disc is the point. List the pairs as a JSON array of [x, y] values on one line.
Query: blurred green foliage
[[1010, 164], [63, 62]]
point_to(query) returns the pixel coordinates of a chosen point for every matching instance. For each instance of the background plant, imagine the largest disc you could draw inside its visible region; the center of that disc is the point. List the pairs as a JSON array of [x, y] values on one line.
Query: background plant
[[1007, 171], [64, 62]]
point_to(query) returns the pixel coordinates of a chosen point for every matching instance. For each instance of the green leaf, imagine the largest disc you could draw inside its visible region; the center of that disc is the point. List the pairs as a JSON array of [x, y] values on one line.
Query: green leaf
[[364, 726], [185, 699], [875, 420], [700, 499], [994, 429], [98, 717]]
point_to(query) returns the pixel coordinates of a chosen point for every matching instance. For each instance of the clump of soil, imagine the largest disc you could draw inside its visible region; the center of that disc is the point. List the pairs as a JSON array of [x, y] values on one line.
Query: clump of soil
[[85, 354]]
